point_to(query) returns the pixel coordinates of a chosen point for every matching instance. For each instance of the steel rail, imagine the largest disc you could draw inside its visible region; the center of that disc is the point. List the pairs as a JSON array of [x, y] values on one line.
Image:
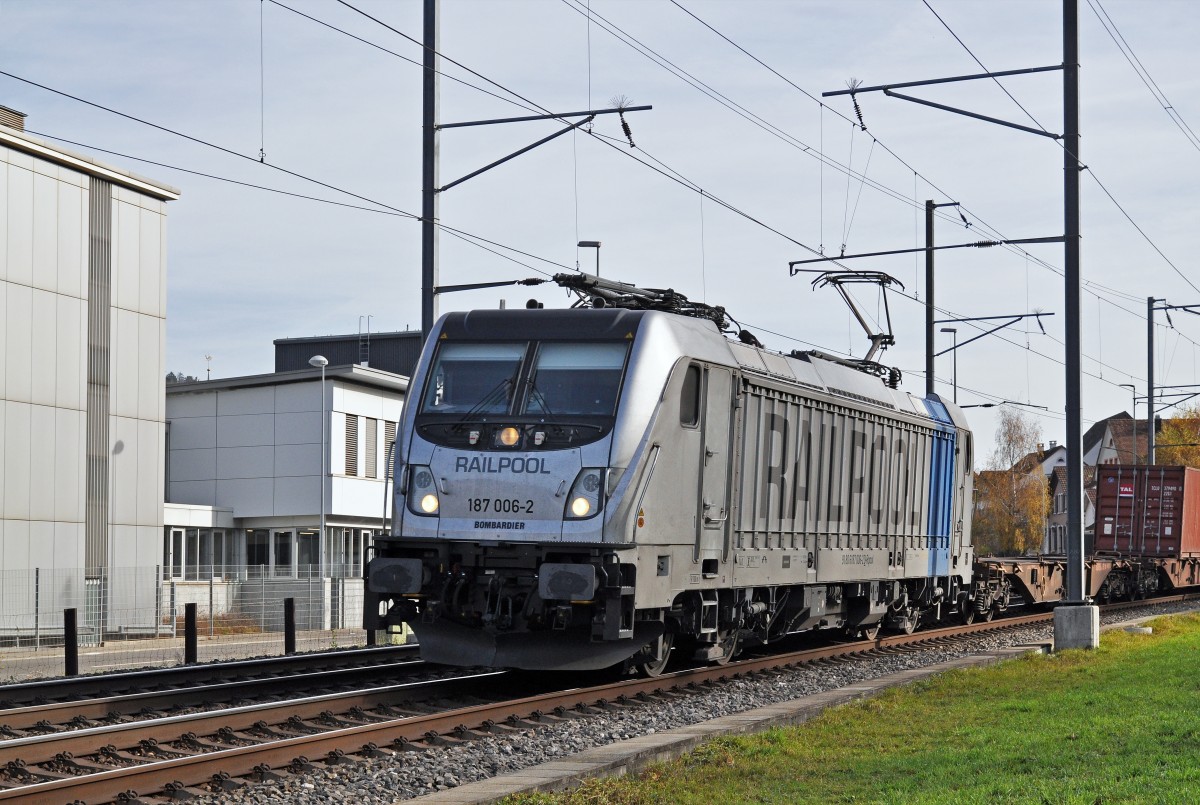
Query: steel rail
[[35, 749], [126, 703], [62, 687]]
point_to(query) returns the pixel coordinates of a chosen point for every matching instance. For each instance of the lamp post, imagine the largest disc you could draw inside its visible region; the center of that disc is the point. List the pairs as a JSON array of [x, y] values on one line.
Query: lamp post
[[321, 361], [954, 349], [1133, 415]]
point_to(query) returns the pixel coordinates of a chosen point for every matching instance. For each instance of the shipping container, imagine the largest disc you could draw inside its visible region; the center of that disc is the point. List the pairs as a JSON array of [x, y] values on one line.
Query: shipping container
[[1148, 510]]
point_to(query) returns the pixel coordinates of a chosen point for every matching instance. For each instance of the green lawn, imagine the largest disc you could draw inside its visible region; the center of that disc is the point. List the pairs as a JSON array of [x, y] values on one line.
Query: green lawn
[[1117, 725]]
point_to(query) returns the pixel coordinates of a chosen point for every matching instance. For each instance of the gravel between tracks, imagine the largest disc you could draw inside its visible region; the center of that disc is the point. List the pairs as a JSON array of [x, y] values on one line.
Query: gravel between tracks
[[413, 774]]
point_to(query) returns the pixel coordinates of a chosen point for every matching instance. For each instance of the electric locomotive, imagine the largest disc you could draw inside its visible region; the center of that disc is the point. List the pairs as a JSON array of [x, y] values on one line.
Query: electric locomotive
[[603, 485]]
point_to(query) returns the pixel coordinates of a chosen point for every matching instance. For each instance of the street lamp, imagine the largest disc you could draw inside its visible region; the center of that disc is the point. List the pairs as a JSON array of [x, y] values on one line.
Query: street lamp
[[954, 349], [321, 361], [1133, 414]]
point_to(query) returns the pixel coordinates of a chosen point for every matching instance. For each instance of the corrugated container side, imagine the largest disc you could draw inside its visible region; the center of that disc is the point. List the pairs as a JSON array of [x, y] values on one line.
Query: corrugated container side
[[1152, 511]]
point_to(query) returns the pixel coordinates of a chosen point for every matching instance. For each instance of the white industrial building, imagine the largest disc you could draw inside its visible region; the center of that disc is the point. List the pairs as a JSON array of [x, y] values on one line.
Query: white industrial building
[[255, 465], [82, 362]]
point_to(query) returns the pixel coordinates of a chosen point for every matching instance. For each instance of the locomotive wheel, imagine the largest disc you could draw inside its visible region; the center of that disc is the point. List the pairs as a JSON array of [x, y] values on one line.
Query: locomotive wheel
[[991, 613], [731, 642], [967, 613], [654, 668], [871, 632], [911, 623]]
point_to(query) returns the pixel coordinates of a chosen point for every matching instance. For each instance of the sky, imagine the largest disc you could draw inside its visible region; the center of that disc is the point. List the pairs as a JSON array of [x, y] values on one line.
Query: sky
[[737, 170]]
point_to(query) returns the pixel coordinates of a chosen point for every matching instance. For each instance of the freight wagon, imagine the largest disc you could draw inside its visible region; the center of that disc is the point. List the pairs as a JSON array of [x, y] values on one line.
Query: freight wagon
[[1147, 540]]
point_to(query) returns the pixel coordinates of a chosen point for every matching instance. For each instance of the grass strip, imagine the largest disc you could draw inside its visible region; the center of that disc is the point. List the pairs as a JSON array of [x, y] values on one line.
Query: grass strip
[[1120, 724]]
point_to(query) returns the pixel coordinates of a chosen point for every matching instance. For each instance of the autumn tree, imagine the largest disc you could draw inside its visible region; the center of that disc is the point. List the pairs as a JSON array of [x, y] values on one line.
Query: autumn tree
[[1011, 499], [1178, 443]]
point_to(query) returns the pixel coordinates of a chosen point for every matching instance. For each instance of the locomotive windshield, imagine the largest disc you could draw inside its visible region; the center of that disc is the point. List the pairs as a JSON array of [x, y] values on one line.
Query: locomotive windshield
[[474, 378], [537, 379]]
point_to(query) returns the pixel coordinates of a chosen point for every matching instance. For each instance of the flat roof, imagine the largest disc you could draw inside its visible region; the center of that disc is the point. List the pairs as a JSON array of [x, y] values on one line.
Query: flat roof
[[361, 375], [27, 143], [349, 337]]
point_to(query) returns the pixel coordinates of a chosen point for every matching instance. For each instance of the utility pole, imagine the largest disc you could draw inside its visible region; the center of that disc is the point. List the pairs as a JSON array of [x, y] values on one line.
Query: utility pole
[[1074, 326], [430, 101], [930, 310], [1150, 300], [1077, 625], [430, 144], [1150, 308]]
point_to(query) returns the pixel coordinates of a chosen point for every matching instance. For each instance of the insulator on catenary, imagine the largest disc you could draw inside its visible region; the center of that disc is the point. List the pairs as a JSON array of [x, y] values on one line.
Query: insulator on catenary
[[625, 128], [858, 112]]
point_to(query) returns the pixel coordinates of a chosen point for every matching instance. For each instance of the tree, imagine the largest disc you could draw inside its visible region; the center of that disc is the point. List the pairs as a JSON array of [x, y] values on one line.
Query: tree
[[1178, 443], [1012, 498]]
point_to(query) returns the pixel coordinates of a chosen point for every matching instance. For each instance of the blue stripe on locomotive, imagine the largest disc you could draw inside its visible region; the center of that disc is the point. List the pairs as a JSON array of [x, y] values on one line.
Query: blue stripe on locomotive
[[941, 489]]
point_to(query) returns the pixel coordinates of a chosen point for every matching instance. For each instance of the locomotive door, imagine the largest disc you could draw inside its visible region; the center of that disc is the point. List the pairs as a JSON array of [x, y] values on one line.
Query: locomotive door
[[716, 459]]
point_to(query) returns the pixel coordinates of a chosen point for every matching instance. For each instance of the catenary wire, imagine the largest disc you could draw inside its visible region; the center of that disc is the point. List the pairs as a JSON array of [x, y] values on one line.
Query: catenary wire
[[1090, 287], [1091, 172], [400, 212], [1123, 45]]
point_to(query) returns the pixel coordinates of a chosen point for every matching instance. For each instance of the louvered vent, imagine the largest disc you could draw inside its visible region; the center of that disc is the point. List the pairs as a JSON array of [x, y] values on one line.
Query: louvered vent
[[389, 438], [351, 444], [371, 448], [12, 118]]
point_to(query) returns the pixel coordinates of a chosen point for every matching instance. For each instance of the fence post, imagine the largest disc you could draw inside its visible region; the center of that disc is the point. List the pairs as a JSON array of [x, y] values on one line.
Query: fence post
[[71, 641], [37, 609], [212, 613], [189, 634], [289, 625], [158, 597]]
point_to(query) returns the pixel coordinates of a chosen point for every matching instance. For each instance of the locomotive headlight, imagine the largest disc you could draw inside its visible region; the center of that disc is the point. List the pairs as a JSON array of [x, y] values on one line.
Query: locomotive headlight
[[509, 436], [585, 500], [422, 492]]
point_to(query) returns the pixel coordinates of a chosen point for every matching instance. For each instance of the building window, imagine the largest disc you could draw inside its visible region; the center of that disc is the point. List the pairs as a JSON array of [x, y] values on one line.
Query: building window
[[307, 553], [258, 551], [348, 551], [351, 444], [283, 554], [194, 554]]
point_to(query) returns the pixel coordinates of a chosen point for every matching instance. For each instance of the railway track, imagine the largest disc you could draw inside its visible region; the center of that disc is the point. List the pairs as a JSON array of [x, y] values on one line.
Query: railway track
[[206, 752], [82, 688]]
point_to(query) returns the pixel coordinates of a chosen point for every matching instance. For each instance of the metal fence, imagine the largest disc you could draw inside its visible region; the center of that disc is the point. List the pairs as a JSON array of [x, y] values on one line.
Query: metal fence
[[133, 617]]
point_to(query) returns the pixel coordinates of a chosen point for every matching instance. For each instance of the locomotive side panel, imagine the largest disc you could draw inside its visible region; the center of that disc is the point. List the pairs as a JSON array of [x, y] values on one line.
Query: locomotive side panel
[[832, 493]]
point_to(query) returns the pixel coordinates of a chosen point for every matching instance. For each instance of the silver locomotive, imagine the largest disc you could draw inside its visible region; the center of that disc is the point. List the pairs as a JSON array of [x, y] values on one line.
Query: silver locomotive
[[582, 488]]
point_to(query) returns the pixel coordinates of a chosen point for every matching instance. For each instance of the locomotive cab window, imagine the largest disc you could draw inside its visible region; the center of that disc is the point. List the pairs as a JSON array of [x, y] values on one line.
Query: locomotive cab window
[[689, 398], [473, 378], [576, 379]]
